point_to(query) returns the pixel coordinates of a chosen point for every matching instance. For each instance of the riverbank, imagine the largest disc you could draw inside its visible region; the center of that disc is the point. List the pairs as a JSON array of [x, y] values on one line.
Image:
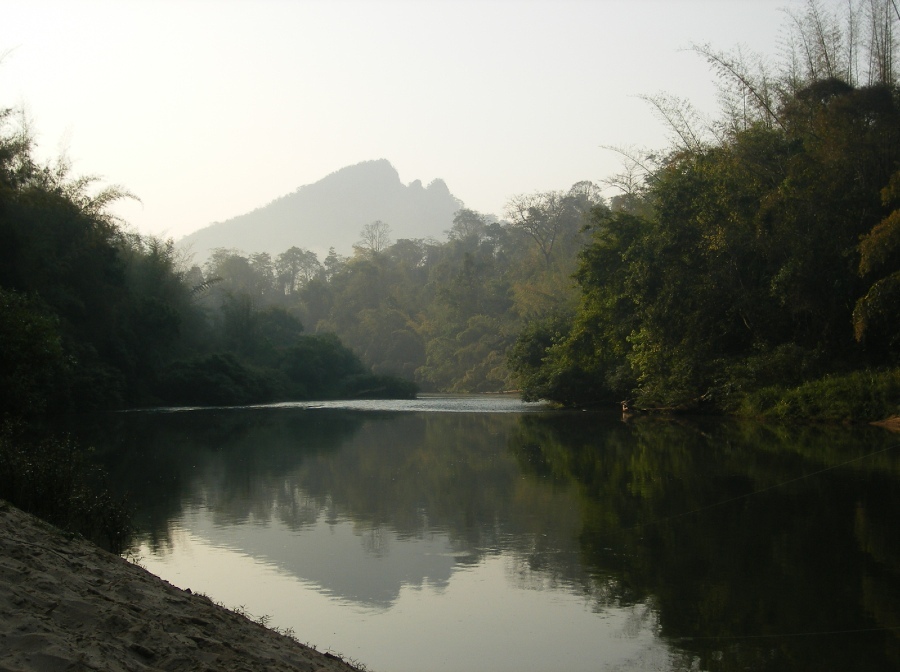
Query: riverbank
[[65, 604]]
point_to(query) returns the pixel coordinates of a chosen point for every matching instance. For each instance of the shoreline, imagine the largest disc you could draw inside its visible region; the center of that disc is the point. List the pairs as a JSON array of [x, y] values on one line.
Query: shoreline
[[66, 604]]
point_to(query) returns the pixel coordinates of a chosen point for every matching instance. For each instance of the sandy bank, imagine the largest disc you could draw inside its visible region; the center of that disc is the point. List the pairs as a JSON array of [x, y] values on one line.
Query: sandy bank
[[67, 605]]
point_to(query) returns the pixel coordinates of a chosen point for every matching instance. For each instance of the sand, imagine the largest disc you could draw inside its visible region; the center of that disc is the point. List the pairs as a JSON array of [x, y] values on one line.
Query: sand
[[65, 604]]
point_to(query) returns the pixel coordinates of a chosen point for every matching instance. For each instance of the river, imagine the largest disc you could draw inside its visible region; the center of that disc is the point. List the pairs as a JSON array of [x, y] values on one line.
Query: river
[[482, 533]]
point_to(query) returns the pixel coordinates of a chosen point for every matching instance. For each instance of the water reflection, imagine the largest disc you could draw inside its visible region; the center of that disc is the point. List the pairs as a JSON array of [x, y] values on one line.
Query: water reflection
[[653, 544], [754, 542]]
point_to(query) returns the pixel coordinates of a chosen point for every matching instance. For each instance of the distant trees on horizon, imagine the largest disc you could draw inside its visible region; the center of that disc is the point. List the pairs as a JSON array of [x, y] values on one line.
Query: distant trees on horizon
[[439, 313]]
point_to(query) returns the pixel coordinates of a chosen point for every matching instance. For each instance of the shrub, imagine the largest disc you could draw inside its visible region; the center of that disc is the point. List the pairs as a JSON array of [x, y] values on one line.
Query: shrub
[[861, 396], [54, 479], [216, 380]]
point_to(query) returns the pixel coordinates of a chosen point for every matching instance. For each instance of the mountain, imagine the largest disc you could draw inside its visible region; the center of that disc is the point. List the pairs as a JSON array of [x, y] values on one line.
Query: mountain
[[331, 213]]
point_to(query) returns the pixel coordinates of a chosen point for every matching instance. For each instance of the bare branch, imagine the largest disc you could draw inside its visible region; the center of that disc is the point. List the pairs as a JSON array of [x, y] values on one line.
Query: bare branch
[[681, 117], [638, 168], [736, 71]]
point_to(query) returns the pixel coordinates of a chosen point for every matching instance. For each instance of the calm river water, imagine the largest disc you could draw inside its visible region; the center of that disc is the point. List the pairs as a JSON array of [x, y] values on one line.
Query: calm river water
[[481, 533]]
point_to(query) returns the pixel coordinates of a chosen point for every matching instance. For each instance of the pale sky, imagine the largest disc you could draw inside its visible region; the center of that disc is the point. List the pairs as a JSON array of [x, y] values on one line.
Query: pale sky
[[208, 109]]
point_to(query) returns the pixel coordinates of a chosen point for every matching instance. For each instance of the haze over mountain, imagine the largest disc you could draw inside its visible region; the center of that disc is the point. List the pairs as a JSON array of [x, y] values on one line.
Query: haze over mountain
[[331, 213]]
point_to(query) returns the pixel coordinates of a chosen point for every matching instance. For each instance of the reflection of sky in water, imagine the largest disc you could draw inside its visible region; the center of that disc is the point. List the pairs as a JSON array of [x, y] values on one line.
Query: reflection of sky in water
[[361, 565], [433, 403], [403, 604]]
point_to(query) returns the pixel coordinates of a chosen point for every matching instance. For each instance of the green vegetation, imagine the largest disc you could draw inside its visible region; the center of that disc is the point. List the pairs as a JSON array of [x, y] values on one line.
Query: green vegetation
[[755, 265], [441, 314], [94, 316], [854, 397], [56, 480]]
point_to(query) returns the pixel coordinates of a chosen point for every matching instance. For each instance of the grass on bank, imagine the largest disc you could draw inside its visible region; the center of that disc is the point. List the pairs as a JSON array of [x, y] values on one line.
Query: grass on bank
[[861, 396]]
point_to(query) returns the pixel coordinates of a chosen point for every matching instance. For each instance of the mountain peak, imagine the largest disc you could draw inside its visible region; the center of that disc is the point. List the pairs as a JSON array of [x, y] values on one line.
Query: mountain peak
[[376, 169], [332, 211]]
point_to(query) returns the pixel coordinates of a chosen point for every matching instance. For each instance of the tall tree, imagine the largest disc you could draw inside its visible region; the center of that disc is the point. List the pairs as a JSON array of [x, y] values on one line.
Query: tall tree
[[296, 267], [374, 237]]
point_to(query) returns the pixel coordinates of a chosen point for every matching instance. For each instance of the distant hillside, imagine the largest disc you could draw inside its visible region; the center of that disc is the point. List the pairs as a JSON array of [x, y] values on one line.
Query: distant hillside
[[331, 212]]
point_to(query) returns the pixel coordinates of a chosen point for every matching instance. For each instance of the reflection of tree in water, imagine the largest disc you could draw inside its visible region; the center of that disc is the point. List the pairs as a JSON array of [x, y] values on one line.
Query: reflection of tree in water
[[650, 512], [412, 474], [421, 473], [876, 532], [715, 524], [227, 459], [375, 541]]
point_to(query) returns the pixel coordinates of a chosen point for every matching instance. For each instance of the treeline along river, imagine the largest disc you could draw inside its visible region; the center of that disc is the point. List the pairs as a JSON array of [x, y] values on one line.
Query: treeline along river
[[483, 533]]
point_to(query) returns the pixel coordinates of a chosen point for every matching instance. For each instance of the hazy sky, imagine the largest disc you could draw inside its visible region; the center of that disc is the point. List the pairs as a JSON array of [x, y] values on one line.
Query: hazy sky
[[209, 109]]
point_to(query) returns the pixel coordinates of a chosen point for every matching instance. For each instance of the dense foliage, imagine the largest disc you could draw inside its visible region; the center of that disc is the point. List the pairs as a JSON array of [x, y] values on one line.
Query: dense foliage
[[750, 259], [442, 314], [55, 479], [94, 316]]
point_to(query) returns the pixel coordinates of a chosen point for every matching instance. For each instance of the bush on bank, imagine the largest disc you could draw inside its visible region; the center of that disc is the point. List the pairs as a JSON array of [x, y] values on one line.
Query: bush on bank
[[860, 396], [54, 479]]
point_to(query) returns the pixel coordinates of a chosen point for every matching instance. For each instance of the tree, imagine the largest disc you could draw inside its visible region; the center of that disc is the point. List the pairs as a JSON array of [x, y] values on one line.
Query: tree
[[552, 217], [467, 225], [263, 273], [296, 267], [542, 216], [333, 263], [374, 237], [875, 317], [33, 363], [747, 245]]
